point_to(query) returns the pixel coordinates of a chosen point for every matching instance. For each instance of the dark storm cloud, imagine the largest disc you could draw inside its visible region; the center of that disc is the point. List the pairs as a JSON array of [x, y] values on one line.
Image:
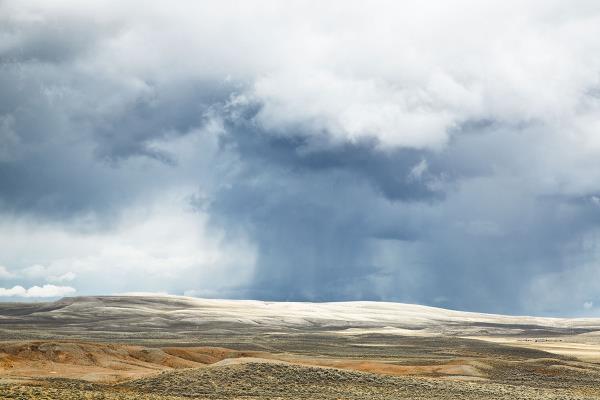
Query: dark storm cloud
[[160, 113], [302, 151], [312, 233], [44, 168], [316, 211], [314, 208], [60, 155]]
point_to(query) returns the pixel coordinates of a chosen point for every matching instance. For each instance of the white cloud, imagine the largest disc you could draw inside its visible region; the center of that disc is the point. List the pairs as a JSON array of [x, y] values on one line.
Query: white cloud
[[351, 109], [418, 170], [35, 271], [588, 305], [37, 291], [66, 277], [406, 73], [6, 274], [161, 246], [50, 274]]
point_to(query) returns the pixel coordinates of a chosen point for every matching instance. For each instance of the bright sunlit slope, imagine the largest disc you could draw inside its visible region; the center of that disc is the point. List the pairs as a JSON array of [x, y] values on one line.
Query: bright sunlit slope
[[184, 314]]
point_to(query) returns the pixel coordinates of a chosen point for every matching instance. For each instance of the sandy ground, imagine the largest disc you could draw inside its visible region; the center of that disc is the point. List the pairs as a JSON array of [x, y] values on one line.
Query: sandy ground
[[582, 347]]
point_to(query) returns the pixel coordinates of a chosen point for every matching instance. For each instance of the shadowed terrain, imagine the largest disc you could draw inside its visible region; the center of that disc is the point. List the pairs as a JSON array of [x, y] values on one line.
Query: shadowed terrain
[[178, 347]]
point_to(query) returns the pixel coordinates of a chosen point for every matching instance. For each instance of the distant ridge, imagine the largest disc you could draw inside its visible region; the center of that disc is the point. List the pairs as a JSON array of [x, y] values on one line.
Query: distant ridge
[[179, 315]]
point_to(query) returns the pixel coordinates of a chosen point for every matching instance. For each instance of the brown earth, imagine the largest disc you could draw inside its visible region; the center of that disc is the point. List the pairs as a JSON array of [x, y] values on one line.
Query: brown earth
[[109, 363]]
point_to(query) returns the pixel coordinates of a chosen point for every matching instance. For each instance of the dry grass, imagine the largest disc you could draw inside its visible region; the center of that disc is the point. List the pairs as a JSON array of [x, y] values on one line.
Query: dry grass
[[284, 381], [146, 348]]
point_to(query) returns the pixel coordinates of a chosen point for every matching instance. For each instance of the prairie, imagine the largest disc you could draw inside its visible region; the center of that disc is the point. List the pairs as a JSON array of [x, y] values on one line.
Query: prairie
[[169, 347]]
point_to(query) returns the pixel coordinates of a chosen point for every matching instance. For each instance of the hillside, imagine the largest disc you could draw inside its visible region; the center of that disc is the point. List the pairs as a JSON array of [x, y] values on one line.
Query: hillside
[[149, 316]]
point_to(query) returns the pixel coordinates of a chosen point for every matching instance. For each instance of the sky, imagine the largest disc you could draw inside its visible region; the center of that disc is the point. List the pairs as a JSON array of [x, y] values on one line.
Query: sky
[[431, 152]]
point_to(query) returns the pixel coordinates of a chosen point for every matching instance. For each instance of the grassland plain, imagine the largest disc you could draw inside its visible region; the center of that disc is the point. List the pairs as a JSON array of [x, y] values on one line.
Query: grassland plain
[[142, 347]]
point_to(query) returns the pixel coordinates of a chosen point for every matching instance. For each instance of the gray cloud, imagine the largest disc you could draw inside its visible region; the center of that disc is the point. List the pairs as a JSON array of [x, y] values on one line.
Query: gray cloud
[[428, 157]]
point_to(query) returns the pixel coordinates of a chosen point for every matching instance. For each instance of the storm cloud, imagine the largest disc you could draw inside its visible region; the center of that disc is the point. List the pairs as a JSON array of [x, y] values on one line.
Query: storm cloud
[[444, 154]]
